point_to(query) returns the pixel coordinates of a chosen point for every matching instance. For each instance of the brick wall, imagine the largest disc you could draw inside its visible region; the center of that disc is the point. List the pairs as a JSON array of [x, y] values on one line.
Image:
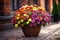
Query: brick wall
[[5, 7], [1, 8]]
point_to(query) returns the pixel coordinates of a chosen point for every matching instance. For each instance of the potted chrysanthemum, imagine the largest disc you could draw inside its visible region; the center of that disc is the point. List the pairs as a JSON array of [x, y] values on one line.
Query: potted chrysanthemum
[[30, 18]]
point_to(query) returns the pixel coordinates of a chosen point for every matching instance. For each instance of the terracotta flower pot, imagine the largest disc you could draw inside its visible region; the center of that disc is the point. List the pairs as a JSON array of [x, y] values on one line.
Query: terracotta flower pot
[[31, 31]]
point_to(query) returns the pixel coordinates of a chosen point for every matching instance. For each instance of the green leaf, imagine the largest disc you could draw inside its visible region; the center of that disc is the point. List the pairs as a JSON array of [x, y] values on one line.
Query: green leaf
[[55, 8]]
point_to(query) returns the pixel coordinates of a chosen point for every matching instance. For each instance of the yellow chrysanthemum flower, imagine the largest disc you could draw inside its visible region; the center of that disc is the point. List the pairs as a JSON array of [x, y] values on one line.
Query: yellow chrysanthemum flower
[[42, 8], [18, 22], [18, 15], [31, 5], [27, 22], [17, 18], [25, 6], [16, 25], [29, 19], [21, 20], [25, 15], [35, 8]]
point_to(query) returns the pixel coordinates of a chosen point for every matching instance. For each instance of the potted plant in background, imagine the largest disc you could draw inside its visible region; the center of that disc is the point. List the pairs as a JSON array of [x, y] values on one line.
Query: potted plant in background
[[59, 9], [55, 12], [30, 18]]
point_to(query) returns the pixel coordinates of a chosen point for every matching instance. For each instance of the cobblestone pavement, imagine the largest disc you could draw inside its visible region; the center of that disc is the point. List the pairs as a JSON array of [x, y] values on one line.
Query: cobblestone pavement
[[47, 33]]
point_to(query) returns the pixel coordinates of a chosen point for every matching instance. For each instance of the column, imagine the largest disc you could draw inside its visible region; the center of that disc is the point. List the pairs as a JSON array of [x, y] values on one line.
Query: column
[[51, 5], [57, 2], [42, 3]]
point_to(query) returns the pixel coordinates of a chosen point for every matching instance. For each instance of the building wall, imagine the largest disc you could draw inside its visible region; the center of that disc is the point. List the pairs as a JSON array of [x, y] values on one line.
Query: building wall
[[5, 7], [8, 4], [51, 5], [42, 3]]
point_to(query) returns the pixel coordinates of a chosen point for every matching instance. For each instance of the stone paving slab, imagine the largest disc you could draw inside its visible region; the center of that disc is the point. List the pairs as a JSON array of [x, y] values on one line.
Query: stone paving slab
[[47, 33]]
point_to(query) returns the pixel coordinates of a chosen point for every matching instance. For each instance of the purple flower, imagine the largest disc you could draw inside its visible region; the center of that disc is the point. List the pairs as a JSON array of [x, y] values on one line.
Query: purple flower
[[32, 17], [42, 22], [38, 22], [33, 21], [34, 24], [34, 13], [46, 19], [31, 25], [38, 18]]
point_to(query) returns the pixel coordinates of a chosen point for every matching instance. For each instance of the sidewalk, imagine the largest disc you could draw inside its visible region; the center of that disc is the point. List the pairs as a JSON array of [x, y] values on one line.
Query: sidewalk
[[47, 33]]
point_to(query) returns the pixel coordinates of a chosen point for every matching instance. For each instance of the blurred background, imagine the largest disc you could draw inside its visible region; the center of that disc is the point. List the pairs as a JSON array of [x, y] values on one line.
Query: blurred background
[[8, 7]]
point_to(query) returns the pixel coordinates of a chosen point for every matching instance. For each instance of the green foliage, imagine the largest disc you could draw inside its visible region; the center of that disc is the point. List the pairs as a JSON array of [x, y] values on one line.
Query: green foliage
[[55, 8], [59, 8]]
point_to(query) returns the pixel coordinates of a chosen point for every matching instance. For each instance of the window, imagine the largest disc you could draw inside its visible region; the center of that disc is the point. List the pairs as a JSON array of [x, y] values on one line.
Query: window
[[35, 1], [15, 4], [18, 3]]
